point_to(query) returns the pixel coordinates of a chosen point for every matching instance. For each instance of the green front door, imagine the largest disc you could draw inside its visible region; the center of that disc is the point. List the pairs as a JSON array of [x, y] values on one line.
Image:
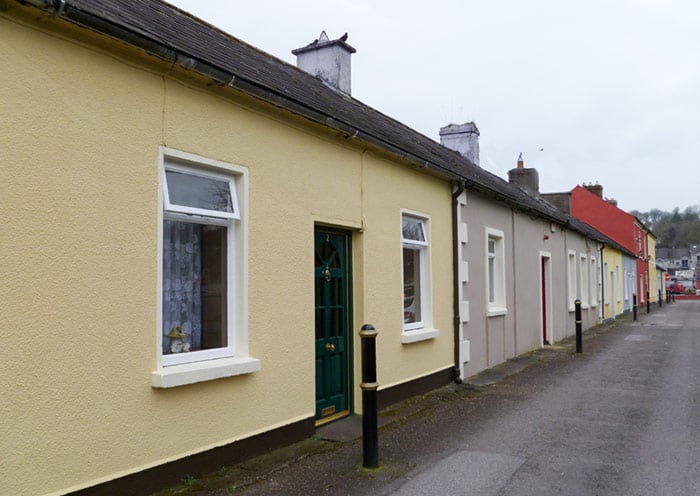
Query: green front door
[[333, 289]]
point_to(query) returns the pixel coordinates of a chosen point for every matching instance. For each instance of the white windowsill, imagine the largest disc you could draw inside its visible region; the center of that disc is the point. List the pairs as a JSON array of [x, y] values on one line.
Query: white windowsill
[[190, 373], [419, 335], [496, 311]]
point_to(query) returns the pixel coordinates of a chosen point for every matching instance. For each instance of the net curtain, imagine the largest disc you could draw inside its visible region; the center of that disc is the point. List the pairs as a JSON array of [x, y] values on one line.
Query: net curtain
[[182, 282]]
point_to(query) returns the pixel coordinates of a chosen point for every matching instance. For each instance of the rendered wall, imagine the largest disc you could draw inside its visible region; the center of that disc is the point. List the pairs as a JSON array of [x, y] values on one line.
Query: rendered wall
[[383, 297], [630, 271], [613, 283], [82, 132], [495, 339], [534, 238], [491, 339], [581, 245]]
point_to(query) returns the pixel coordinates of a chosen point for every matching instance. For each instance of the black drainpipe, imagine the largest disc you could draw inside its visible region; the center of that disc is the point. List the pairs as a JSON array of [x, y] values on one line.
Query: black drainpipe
[[457, 327]]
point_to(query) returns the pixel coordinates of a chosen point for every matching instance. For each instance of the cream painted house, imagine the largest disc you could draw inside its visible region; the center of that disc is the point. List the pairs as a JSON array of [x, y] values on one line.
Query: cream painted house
[[187, 263], [614, 282], [195, 235]]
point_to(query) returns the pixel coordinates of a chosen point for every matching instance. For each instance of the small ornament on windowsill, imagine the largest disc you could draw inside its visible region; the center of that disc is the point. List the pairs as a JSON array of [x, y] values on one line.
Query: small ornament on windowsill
[[177, 337]]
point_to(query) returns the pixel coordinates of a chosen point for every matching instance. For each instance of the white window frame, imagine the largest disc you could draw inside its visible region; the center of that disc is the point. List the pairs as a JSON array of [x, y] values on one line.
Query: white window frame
[[618, 277], [584, 280], [207, 216], [572, 281], [420, 330], [187, 368], [497, 305], [606, 283], [593, 274], [613, 294]]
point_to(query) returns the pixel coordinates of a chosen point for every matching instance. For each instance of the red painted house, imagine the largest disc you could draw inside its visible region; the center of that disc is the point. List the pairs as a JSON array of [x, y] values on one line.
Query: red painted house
[[588, 205]]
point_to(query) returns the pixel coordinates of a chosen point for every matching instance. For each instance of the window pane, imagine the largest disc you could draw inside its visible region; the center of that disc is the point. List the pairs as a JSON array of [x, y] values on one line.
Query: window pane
[[411, 286], [214, 325], [412, 229], [194, 287], [492, 246], [189, 190]]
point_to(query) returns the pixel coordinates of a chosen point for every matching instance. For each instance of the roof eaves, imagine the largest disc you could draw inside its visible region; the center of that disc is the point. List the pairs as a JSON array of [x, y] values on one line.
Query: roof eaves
[[141, 39], [140, 28], [600, 237]]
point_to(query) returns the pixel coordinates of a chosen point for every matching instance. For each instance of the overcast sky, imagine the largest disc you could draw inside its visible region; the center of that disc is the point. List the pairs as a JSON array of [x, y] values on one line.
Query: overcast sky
[[601, 91]]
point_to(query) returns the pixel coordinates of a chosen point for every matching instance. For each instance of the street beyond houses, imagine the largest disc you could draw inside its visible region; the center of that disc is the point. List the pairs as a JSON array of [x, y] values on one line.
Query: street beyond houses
[[620, 419]]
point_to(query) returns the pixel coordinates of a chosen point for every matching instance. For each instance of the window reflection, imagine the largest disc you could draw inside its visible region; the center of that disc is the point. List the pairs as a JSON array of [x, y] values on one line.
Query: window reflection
[[190, 190]]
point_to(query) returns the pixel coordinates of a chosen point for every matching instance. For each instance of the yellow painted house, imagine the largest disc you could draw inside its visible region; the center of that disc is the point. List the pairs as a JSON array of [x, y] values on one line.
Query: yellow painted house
[[614, 282], [655, 284], [187, 262]]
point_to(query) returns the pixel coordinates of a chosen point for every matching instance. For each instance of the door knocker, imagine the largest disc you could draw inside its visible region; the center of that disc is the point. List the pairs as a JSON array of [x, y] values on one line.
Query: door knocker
[[327, 274]]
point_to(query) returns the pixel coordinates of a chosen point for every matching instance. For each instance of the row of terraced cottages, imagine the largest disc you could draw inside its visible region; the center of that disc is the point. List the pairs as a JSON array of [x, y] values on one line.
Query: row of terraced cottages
[[194, 233]]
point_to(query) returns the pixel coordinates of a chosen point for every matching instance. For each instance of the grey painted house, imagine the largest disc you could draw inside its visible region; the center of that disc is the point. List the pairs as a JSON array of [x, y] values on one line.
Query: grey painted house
[[522, 265]]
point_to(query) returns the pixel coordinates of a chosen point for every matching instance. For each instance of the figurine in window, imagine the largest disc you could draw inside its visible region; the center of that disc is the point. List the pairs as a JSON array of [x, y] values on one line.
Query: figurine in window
[[178, 343]]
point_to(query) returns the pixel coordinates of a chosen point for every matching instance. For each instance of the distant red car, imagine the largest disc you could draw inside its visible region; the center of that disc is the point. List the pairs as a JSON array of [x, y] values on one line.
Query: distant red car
[[675, 287]]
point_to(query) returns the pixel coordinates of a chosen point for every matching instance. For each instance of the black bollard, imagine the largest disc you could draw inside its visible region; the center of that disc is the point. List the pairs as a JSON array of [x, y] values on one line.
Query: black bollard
[[648, 303], [634, 307], [579, 331], [660, 303], [370, 457]]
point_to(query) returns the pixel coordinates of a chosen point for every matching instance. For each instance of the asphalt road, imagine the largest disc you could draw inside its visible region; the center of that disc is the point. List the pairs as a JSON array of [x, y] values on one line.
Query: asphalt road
[[621, 419], [623, 422]]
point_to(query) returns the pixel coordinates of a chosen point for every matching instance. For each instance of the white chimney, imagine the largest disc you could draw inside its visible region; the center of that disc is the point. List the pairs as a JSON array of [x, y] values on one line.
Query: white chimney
[[462, 138], [328, 60]]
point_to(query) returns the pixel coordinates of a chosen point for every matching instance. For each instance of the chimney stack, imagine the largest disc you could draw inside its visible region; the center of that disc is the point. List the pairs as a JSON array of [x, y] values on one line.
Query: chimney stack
[[328, 60], [596, 189], [462, 138], [528, 179]]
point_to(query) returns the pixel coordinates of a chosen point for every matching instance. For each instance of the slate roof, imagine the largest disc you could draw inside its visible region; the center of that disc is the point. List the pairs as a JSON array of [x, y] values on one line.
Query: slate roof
[[593, 233], [673, 253], [173, 34]]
